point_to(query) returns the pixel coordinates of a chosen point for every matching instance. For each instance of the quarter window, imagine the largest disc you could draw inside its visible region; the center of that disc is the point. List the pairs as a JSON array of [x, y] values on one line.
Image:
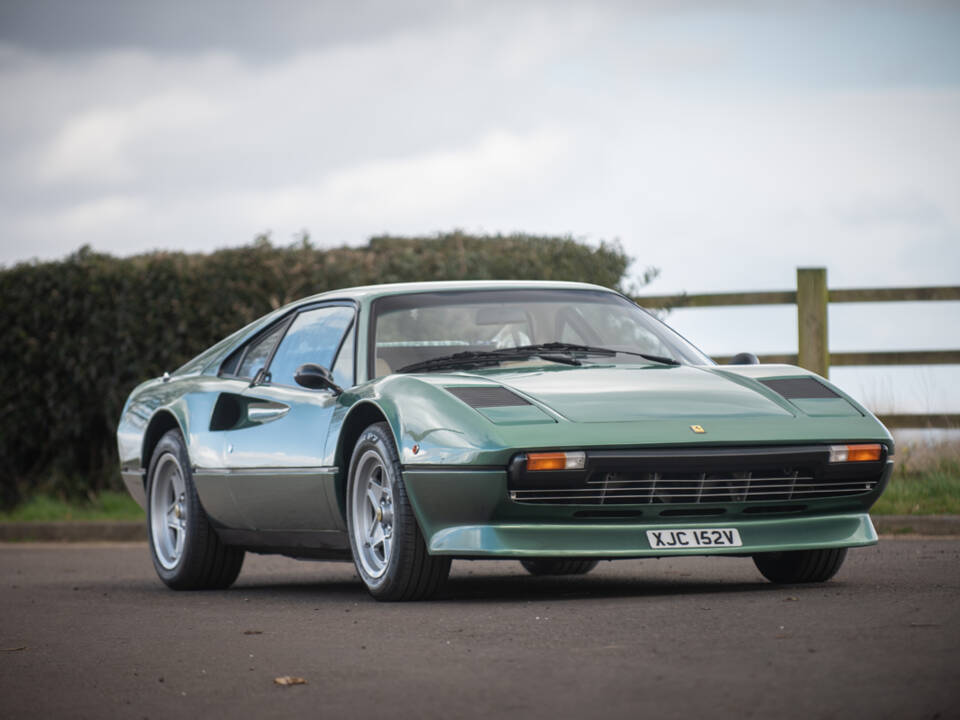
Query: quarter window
[[257, 353]]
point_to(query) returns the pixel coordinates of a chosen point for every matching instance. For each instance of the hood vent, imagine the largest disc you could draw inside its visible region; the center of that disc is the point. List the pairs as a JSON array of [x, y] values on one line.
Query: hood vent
[[488, 396], [800, 388]]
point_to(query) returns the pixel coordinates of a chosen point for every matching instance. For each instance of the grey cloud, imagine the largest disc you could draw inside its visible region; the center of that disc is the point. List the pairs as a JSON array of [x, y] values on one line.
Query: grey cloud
[[251, 27]]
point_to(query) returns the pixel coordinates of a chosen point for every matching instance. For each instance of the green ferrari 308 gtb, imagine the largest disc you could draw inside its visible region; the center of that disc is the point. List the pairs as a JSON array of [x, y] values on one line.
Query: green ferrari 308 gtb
[[553, 423]]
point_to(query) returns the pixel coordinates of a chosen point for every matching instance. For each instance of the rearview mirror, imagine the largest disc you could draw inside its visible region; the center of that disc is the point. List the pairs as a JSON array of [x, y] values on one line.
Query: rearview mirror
[[744, 359], [316, 377]]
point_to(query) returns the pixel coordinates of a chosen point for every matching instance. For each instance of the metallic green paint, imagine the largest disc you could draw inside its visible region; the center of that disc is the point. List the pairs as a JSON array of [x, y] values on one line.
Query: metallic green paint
[[289, 474], [620, 540], [469, 513]]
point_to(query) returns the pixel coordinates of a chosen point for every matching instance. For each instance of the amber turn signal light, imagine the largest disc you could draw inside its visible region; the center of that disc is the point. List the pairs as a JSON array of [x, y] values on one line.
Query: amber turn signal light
[[556, 461], [856, 453]]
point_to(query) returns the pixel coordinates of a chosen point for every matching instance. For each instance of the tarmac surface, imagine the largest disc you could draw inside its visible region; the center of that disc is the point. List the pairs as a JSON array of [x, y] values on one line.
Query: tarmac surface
[[87, 630], [128, 531]]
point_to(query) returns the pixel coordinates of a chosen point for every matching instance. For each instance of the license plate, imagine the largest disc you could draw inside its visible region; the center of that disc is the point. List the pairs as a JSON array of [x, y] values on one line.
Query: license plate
[[699, 538]]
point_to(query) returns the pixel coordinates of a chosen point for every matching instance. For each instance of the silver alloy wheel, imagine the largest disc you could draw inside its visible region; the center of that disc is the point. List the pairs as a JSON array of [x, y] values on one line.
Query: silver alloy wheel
[[371, 513], [168, 516]]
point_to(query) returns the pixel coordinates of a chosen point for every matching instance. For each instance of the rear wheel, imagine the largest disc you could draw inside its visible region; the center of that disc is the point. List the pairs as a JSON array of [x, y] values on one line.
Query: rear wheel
[[186, 552], [388, 548], [558, 566], [800, 566]]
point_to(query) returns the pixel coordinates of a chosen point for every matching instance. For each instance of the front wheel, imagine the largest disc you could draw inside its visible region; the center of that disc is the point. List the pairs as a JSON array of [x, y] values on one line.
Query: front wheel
[[186, 552], [388, 548], [800, 566]]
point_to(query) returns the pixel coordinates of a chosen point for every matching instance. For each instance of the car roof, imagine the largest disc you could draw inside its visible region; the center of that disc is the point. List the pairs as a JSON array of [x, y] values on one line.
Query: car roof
[[368, 292]]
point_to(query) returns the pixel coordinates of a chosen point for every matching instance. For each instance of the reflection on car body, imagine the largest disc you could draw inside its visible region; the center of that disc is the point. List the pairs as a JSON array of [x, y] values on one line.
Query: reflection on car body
[[401, 426]]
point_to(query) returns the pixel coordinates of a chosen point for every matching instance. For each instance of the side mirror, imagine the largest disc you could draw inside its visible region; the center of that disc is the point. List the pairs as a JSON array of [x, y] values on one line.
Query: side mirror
[[316, 377], [744, 359]]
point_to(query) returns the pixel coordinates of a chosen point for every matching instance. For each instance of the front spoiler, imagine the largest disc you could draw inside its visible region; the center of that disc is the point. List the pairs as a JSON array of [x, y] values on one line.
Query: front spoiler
[[622, 540]]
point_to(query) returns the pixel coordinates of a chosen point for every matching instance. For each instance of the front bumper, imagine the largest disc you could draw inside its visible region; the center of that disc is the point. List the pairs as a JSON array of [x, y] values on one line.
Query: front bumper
[[469, 513], [630, 540]]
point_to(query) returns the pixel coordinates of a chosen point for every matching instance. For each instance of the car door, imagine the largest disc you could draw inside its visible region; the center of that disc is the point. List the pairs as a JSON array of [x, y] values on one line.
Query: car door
[[275, 455]]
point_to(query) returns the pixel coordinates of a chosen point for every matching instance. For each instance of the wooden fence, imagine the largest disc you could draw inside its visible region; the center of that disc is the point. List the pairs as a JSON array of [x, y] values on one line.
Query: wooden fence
[[812, 298]]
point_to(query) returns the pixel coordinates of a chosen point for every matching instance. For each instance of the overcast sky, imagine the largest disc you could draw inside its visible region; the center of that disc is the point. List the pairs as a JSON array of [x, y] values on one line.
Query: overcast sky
[[725, 143]]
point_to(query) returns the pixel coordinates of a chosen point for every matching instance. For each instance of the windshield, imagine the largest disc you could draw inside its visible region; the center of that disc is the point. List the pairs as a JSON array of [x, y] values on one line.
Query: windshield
[[408, 329]]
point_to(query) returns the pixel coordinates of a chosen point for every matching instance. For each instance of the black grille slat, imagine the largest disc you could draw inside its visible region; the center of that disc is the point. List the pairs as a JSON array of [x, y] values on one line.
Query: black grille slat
[[651, 492], [487, 396], [799, 388], [698, 476]]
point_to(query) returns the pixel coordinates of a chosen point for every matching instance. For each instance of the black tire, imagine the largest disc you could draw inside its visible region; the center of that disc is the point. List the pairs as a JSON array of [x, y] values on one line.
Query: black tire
[[203, 561], [407, 571], [558, 566], [800, 566]]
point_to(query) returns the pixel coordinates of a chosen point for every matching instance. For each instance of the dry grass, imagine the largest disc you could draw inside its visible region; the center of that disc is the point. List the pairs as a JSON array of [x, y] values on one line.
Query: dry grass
[[926, 481]]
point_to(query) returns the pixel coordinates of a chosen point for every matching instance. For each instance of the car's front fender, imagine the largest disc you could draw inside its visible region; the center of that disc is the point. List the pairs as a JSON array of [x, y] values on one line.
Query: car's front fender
[[431, 426]]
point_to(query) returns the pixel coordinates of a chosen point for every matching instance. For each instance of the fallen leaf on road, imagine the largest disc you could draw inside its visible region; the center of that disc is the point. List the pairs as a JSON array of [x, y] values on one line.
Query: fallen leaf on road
[[253, 632], [16, 649], [289, 680]]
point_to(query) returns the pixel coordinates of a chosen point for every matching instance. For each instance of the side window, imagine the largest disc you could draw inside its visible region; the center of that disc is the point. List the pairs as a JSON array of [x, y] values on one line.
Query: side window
[[343, 367], [246, 362], [313, 337]]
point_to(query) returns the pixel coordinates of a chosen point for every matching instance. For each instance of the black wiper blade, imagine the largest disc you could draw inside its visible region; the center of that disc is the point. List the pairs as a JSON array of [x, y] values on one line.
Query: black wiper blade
[[562, 347], [486, 358], [654, 358], [554, 351], [460, 359], [590, 350]]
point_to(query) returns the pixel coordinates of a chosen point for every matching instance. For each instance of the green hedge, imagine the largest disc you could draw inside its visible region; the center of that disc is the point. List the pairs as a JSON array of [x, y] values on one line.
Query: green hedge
[[80, 333]]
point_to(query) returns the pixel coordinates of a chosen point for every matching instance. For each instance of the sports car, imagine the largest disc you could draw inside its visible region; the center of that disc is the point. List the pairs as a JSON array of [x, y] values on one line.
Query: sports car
[[554, 423]]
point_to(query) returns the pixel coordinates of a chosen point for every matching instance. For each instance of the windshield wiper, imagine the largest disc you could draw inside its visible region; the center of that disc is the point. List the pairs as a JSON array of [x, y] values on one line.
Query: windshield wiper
[[589, 350], [553, 351], [485, 358]]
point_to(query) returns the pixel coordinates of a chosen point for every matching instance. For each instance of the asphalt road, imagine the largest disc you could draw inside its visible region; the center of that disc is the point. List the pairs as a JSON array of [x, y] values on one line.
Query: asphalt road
[[88, 631]]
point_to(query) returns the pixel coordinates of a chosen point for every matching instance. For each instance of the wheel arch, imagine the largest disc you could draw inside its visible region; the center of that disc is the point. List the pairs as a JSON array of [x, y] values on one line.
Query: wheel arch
[[161, 423], [361, 416]]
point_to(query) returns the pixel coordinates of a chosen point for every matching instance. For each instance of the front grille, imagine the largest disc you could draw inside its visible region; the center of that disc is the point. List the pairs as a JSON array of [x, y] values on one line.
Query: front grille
[[651, 488], [697, 477]]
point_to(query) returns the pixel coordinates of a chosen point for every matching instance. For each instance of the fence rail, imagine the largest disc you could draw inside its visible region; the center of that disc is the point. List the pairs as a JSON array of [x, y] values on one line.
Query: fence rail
[[789, 297], [904, 357], [812, 298]]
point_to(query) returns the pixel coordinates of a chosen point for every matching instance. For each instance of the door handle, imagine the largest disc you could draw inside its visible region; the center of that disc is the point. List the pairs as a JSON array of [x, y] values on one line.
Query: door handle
[[264, 412]]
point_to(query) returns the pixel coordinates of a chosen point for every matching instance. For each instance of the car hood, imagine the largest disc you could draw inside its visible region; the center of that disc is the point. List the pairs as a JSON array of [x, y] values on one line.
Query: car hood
[[617, 393], [640, 392], [476, 416]]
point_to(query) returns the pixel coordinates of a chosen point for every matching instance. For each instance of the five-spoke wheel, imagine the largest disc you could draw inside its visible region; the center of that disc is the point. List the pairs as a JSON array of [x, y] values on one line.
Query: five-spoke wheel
[[372, 509], [388, 548], [187, 553], [168, 522]]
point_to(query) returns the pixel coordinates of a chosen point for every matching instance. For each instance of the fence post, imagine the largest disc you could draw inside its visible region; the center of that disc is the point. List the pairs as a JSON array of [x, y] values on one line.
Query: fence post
[[812, 296]]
